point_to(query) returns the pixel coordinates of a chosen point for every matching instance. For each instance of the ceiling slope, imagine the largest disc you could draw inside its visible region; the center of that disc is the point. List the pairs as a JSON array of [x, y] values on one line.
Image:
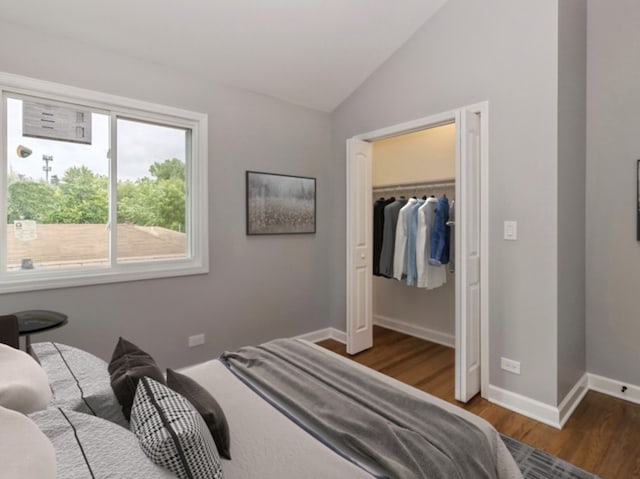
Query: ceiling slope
[[313, 53]]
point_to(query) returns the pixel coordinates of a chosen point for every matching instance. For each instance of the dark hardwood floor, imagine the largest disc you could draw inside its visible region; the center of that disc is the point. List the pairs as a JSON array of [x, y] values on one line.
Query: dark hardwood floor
[[602, 436]]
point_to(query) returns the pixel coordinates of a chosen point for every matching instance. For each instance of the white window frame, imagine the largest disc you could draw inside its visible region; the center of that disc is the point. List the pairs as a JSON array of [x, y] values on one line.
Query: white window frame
[[197, 218]]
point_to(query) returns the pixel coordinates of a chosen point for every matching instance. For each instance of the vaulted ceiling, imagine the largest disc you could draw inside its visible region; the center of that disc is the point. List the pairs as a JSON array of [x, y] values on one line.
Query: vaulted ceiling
[[308, 52]]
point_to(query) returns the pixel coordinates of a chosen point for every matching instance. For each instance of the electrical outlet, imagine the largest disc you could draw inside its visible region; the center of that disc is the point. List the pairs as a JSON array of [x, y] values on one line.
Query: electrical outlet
[[510, 365], [196, 340]]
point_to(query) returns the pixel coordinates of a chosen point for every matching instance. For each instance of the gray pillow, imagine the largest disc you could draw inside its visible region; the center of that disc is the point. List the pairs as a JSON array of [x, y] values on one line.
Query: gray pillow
[[206, 405], [79, 381], [128, 364], [89, 447], [172, 433]]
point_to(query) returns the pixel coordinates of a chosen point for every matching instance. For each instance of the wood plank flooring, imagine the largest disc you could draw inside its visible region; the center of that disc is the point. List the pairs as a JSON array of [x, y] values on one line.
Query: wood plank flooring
[[602, 436]]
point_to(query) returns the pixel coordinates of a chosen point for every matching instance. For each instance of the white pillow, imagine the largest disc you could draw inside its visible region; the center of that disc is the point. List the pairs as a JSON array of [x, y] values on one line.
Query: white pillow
[[24, 385], [25, 452]]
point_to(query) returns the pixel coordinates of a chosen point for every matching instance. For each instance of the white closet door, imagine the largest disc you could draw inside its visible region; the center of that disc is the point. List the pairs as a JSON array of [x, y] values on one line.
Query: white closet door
[[468, 261], [359, 247]]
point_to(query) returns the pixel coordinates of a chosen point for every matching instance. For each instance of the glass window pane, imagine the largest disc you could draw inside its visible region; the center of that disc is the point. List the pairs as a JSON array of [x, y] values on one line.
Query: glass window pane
[[151, 191], [57, 191]]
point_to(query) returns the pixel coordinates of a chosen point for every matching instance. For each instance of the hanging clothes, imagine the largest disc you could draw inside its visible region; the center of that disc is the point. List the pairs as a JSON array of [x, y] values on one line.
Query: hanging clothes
[[412, 268], [378, 229], [439, 253], [402, 232], [429, 276], [391, 212]]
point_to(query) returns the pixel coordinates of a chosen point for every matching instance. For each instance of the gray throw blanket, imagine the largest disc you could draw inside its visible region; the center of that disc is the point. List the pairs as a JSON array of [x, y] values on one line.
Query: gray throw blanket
[[390, 433]]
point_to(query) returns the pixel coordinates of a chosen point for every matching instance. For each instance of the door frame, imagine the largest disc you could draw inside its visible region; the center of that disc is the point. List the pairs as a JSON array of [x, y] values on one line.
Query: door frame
[[448, 117]]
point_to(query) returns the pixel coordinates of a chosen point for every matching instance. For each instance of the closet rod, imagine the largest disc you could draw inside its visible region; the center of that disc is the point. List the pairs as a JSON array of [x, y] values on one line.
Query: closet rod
[[408, 186]]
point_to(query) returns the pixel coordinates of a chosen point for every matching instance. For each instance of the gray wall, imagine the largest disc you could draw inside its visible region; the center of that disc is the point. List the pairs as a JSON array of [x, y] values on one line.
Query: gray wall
[[498, 50], [258, 287], [613, 146], [504, 52], [572, 84]]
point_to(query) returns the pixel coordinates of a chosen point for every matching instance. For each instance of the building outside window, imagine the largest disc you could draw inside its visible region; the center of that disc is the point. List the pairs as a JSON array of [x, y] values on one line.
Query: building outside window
[[94, 190]]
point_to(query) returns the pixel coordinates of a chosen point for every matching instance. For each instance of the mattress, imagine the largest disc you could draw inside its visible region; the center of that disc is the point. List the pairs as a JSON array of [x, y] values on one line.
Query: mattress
[[264, 442]]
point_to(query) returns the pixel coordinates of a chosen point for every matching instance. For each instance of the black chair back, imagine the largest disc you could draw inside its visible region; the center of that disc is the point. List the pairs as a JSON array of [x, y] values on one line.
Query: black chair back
[[9, 333]]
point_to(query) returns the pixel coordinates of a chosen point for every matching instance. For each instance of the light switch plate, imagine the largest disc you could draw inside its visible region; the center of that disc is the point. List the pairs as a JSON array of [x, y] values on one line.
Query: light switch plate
[[511, 230]]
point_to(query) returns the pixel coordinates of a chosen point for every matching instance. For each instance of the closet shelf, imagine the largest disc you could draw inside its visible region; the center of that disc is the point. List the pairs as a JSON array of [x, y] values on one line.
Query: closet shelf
[[421, 185]]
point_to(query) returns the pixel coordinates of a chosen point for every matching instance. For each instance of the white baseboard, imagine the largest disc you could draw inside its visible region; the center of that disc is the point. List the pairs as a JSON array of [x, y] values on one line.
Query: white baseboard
[[338, 335], [524, 405], [539, 411], [611, 387], [326, 333], [572, 400], [415, 330], [558, 416]]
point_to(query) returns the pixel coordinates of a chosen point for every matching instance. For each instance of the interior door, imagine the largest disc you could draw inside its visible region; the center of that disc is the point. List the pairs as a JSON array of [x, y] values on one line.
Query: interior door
[[359, 247], [467, 238]]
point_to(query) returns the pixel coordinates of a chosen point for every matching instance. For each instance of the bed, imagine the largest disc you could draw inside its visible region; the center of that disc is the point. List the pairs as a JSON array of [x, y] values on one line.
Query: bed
[[291, 408]]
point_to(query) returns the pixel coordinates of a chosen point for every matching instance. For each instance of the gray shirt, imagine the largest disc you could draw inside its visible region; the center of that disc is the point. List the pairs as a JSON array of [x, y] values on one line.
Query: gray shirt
[[389, 236]]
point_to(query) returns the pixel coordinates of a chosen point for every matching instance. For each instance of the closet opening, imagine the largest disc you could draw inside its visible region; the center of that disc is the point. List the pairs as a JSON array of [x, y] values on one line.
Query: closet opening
[[413, 176], [416, 253]]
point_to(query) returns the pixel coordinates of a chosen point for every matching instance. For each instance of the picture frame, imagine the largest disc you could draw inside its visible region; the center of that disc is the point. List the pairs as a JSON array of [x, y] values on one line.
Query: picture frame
[[278, 204]]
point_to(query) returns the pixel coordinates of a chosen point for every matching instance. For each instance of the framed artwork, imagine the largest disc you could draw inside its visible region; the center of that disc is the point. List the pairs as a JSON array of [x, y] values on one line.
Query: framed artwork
[[280, 204]]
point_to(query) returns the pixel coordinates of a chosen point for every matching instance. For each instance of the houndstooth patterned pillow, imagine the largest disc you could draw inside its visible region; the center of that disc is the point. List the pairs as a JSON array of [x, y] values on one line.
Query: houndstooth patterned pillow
[[172, 433]]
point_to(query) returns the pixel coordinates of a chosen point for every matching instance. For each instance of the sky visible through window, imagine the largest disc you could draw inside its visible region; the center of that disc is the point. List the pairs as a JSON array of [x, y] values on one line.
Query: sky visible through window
[[57, 217], [138, 149], [104, 191]]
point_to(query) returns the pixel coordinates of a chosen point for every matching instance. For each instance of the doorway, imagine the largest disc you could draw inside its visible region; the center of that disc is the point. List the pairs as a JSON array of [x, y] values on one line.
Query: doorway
[[471, 241]]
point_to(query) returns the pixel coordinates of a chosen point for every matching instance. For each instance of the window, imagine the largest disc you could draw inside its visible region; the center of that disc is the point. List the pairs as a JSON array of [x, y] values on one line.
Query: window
[[97, 188]]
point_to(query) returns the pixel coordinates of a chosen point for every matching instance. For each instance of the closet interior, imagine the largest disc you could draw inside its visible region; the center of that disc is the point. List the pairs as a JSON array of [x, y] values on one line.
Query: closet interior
[[414, 165]]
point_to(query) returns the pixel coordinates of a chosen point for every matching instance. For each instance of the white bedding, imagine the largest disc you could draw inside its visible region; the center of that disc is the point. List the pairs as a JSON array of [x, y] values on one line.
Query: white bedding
[[264, 442], [267, 443]]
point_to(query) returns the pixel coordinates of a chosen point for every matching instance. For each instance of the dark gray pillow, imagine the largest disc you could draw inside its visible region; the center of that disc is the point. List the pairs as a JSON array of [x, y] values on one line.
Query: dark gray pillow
[[90, 447], [206, 405], [79, 381], [172, 433], [128, 364]]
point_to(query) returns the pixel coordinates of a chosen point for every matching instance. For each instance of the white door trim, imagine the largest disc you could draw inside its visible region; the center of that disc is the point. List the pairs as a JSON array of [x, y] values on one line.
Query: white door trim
[[410, 126], [482, 109]]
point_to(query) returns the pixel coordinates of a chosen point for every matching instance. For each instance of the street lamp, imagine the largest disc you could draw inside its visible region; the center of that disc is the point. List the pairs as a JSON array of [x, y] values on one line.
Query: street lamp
[[46, 168]]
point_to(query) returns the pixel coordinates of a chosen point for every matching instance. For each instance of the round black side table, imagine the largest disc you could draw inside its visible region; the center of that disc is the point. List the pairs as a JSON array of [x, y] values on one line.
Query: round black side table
[[37, 321]]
